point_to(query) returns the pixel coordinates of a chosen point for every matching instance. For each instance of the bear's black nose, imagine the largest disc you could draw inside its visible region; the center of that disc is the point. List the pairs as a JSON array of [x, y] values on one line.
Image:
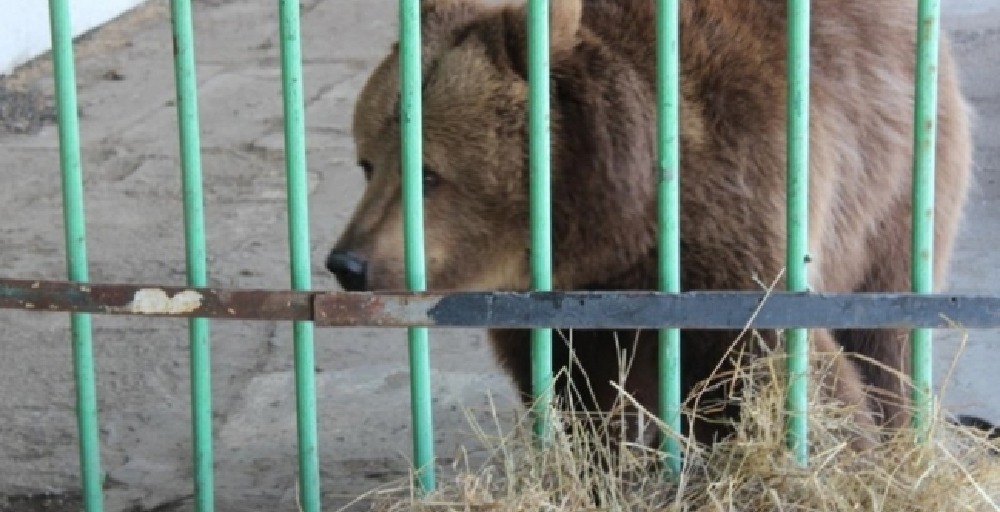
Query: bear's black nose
[[351, 270]]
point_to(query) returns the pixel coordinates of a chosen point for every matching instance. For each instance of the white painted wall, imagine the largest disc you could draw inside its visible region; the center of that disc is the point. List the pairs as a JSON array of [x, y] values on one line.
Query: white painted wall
[[966, 7], [24, 25]]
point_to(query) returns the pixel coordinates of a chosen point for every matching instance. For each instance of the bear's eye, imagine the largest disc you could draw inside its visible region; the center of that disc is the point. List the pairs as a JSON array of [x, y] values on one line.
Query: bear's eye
[[366, 168], [431, 178]]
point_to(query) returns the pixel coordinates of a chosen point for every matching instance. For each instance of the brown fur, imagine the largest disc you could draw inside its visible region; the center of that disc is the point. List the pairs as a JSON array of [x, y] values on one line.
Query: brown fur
[[604, 180]]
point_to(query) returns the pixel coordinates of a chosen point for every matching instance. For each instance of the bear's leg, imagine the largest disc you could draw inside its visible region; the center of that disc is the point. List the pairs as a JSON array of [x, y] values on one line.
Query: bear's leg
[[585, 383], [715, 405], [889, 265], [842, 383], [885, 365], [599, 354], [883, 369]]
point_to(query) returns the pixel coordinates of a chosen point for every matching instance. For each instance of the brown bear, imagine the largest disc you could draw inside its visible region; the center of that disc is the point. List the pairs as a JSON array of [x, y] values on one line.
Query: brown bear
[[604, 172]]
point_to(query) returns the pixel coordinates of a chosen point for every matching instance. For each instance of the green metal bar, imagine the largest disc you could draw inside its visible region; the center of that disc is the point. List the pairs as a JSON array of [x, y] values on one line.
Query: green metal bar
[[668, 116], [298, 238], [540, 158], [74, 222], [922, 268], [798, 220], [413, 221], [194, 236]]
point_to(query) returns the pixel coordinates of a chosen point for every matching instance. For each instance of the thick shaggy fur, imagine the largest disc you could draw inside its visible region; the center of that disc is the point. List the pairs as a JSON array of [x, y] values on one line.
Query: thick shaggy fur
[[604, 178]]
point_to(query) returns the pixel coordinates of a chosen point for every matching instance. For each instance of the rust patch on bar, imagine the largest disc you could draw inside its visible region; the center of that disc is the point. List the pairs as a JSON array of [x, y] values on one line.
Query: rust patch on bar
[[344, 310], [350, 309]]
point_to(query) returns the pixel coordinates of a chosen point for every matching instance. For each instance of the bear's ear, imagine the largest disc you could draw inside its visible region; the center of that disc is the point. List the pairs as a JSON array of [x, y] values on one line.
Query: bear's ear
[[564, 24], [565, 17], [439, 19], [444, 15]]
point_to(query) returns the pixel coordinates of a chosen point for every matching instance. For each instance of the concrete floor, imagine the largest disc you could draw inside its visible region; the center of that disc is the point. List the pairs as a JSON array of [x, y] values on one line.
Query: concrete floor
[[134, 227]]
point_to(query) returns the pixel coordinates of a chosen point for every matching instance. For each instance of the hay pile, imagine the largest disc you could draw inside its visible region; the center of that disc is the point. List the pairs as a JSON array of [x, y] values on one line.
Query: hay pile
[[751, 471]]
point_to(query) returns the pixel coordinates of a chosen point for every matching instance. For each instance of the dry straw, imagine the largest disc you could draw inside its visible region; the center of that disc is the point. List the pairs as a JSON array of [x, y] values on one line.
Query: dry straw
[[957, 470]]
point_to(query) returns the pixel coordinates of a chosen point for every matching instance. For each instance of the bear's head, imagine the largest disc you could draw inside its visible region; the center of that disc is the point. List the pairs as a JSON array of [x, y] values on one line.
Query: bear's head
[[475, 157]]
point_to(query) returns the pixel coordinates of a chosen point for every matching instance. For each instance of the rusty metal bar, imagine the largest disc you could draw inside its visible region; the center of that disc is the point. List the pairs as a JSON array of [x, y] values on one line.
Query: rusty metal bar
[[579, 310], [154, 300]]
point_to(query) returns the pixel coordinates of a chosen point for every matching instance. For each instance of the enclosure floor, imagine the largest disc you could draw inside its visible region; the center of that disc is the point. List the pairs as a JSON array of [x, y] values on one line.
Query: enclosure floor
[[133, 201]]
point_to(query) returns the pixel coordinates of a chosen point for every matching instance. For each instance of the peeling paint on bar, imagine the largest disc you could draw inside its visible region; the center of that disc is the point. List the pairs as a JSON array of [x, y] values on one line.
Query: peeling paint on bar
[[155, 300]]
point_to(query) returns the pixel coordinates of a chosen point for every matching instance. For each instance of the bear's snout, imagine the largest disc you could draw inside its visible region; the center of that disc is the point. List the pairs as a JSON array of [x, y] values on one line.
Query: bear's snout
[[350, 268]]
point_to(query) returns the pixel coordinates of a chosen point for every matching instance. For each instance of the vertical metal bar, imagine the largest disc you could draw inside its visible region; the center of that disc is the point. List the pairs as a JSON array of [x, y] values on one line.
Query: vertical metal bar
[[194, 236], [922, 268], [298, 237], [668, 116], [540, 194], [541, 215], [798, 220], [413, 220], [74, 223]]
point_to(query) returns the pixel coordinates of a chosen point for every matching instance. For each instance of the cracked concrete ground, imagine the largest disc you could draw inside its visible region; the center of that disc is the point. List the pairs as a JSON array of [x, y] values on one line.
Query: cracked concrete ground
[[135, 236]]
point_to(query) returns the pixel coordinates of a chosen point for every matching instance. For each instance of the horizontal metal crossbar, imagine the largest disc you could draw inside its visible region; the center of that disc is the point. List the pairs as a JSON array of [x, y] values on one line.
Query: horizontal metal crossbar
[[626, 309], [155, 300]]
